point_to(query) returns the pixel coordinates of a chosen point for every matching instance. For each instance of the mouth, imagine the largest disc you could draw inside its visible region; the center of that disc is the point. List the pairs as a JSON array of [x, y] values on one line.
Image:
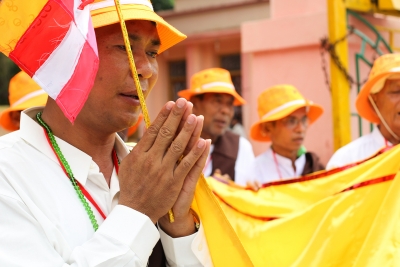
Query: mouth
[[131, 98], [298, 140], [131, 95], [221, 123]]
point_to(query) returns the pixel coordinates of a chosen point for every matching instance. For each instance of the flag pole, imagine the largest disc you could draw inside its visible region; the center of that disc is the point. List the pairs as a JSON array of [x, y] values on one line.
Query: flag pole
[[136, 78]]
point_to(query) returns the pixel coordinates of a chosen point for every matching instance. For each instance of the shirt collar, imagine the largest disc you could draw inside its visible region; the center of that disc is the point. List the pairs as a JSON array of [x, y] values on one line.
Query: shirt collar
[[283, 160], [78, 160]]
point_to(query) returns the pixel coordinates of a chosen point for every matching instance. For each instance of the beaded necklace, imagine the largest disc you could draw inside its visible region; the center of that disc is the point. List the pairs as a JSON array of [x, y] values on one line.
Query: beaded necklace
[[67, 169]]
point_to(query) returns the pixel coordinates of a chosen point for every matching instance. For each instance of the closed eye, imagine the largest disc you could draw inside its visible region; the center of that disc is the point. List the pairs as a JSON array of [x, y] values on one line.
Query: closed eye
[[152, 54]]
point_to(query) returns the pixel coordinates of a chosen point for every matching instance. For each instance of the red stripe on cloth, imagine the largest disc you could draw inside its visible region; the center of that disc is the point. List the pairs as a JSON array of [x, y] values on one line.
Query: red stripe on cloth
[[323, 173], [370, 182], [265, 219], [42, 37], [74, 94]]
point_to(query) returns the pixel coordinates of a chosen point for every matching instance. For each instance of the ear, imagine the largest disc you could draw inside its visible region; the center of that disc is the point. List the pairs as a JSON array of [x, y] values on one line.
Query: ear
[[266, 128]]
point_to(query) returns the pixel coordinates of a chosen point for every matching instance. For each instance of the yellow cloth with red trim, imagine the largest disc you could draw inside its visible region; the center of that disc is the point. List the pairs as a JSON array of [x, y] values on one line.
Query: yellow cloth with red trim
[[348, 218]]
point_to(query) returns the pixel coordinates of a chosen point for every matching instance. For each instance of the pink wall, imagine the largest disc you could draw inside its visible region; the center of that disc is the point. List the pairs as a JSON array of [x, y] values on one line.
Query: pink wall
[[282, 49], [300, 67], [285, 49]]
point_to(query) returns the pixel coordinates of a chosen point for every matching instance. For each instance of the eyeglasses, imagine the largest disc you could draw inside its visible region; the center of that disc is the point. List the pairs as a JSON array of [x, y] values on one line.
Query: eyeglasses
[[292, 122]]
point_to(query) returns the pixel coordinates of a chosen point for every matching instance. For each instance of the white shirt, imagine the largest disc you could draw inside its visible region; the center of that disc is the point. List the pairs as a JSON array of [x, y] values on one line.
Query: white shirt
[[43, 222], [266, 169], [358, 150], [243, 162]]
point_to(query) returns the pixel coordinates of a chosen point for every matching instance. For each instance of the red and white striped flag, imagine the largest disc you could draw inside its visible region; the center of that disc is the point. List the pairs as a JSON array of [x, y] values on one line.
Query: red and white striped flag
[[54, 42]]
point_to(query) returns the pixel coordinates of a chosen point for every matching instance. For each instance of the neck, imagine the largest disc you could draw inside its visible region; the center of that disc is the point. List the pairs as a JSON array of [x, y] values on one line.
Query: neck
[[93, 142], [387, 135], [292, 155]]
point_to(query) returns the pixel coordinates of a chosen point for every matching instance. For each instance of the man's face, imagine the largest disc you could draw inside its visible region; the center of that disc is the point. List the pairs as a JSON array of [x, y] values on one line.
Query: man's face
[[288, 133], [388, 102], [217, 110], [113, 102]]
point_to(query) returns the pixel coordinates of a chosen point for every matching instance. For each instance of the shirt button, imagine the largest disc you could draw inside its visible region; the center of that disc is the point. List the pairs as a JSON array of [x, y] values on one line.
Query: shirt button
[[200, 247]]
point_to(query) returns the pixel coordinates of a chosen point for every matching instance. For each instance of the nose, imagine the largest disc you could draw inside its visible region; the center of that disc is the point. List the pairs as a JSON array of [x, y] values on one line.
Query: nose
[[300, 127], [143, 66], [226, 108]]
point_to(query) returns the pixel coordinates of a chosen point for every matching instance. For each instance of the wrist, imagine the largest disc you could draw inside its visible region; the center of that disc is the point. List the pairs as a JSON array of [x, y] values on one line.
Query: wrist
[[181, 227]]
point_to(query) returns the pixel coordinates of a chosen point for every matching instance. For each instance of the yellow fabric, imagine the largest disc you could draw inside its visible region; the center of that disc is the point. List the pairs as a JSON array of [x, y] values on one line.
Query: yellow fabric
[[223, 243], [13, 24], [15, 17], [318, 225]]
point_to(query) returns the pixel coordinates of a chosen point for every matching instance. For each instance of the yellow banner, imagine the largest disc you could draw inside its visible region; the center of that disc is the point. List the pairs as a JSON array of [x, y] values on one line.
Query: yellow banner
[[317, 224]]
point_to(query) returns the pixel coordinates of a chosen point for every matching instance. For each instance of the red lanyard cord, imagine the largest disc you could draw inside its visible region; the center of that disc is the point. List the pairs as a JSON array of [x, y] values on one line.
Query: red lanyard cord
[[276, 164], [84, 192]]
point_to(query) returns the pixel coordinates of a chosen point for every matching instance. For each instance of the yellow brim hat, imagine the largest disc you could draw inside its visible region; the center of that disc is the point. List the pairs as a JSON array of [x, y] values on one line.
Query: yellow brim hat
[[188, 93], [36, 98], [214, 80], [277, 103], [375, 83], [104, 13]]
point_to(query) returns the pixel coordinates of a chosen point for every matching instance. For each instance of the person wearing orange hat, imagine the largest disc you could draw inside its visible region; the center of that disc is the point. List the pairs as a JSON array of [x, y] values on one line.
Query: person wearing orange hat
[[74, 194], [214, 96], [23, 93], [284, 119], [379, 103]]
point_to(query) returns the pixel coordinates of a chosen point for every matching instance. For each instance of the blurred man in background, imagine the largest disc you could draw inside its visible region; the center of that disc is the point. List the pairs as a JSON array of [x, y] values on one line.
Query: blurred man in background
[[213, 95], [379, 103], [284, 119]]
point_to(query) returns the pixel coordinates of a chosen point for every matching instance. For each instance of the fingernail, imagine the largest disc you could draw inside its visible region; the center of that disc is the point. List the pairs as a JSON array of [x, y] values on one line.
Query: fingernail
[[201, 143], [169, 105], [191, 119], [181, 102]]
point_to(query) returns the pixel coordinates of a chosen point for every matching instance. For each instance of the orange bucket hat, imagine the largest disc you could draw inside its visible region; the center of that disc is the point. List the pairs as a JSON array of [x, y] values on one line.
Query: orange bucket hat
[[23, 93], [279, 101], [215, 80], [103, 13], [385, 67]]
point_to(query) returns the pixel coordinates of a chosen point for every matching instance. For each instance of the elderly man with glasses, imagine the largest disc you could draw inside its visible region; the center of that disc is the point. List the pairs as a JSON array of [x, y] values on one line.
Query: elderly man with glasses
[[284, 118]]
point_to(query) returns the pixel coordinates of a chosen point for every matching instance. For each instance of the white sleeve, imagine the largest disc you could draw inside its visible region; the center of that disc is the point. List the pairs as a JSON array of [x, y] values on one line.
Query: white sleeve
[[244, 162], [186, 251], [126, 238]]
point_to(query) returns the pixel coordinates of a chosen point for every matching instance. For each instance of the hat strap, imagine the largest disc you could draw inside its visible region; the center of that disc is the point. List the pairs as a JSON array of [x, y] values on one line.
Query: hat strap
[[110, 3], [382, 119], [27, 97], [284, 106]]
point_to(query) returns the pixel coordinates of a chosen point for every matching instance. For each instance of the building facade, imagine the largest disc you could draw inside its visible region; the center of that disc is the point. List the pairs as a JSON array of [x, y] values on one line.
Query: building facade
[[262, 43]]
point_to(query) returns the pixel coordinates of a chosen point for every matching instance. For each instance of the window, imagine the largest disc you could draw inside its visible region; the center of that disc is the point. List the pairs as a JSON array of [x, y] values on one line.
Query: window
[[232, 63], [177, 77]]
